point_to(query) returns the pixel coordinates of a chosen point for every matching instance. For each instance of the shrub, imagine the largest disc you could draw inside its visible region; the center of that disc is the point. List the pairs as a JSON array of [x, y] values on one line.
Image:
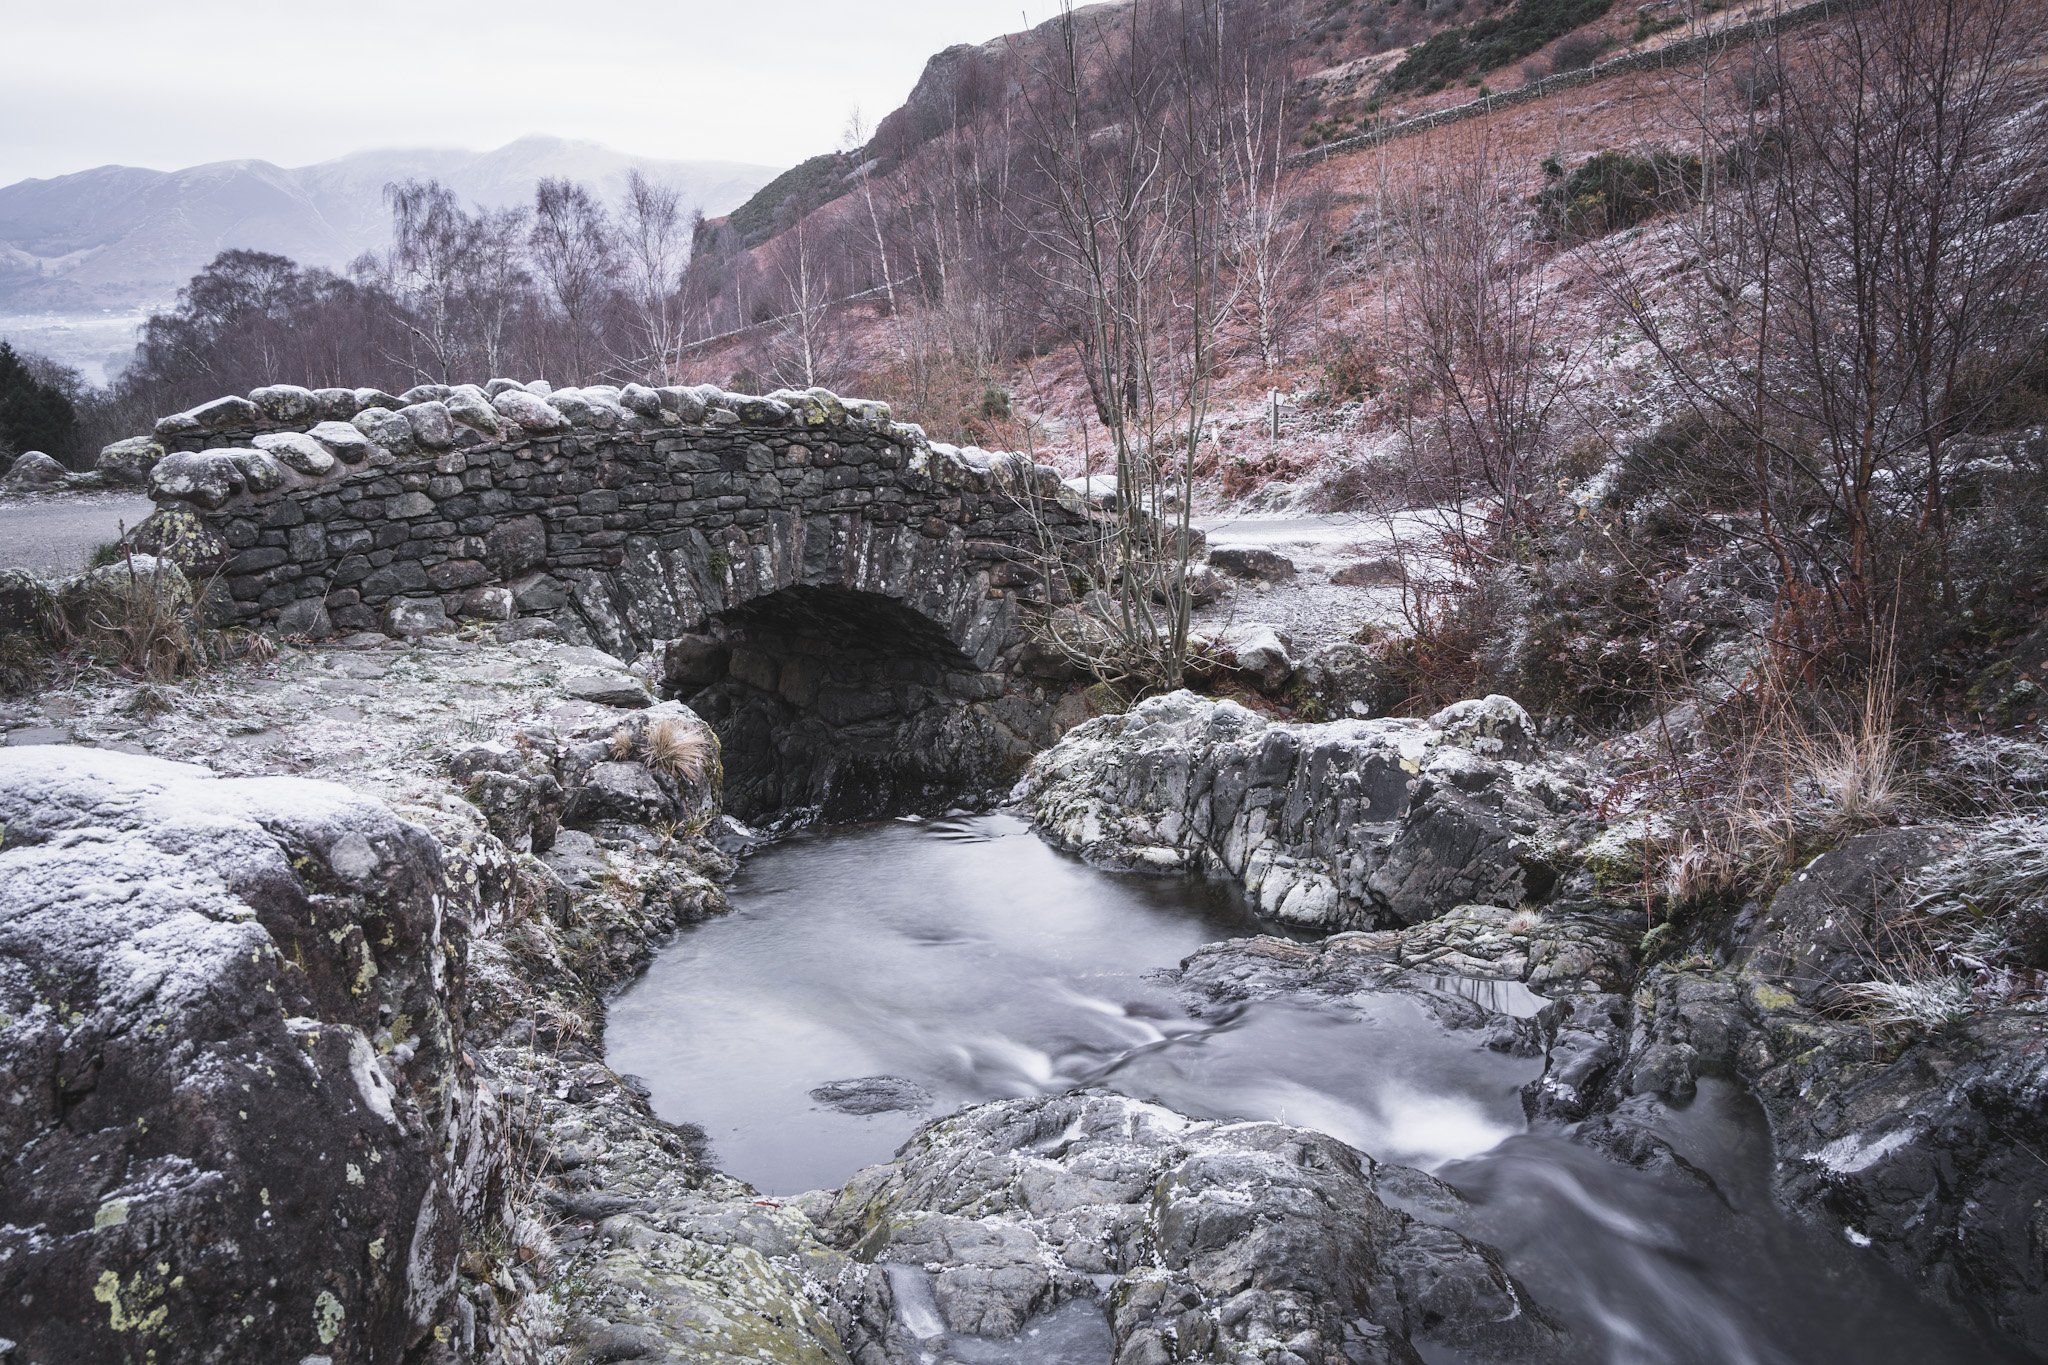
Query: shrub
[[1351, 372], [1576, 51], [1614, 190], [1496, 41]]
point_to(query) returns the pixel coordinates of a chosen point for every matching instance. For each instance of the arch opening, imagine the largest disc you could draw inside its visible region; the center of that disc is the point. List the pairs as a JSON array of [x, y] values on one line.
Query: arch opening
[[837, 704]]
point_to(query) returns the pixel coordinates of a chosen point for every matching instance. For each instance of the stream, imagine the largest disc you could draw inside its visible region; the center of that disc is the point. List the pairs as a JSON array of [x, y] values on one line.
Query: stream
[[872, 977]]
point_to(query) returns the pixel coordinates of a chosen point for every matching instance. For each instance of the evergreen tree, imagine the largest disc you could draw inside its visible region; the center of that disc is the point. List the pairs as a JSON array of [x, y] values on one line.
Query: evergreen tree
[[34, 415]]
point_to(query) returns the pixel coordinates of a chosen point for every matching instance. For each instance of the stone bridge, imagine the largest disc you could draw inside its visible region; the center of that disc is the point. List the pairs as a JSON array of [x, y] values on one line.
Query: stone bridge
[[846, 601]]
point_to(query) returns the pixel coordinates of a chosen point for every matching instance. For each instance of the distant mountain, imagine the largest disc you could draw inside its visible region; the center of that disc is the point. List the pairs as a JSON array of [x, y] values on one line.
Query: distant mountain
[[118, 238]]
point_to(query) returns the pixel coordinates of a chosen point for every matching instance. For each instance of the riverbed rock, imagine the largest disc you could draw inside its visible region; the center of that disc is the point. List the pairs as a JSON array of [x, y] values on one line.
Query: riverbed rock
[[1217, 1241], [1340, 825], [873, 1095], [229, 1035], [1909, 1140]]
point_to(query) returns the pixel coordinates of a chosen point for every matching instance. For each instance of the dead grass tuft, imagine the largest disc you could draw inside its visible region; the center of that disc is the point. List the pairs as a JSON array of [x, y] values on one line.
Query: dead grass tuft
[[680, 749]]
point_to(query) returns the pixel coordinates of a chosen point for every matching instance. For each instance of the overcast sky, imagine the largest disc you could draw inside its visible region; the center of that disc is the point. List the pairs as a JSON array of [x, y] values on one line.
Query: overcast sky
[[149, 83]]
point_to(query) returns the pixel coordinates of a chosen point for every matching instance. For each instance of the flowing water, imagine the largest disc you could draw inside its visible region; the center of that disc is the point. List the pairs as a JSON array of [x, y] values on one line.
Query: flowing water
[[870, 978]]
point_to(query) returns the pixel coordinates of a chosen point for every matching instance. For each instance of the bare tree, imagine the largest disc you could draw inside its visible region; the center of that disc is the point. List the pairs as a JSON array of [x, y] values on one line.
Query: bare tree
[[857, 140], [1134, 118], [652, 234], [1479, 337], [430, 242], [1872, 266], [802, 348], [573, 249], [500, 286]]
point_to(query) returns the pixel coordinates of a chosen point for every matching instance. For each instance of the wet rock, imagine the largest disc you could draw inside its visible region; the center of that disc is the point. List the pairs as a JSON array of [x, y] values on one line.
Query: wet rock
[[1224, 1237], [238, 1128], [1261, 566], [1346, 824], [1819, 930], [873, 1095]]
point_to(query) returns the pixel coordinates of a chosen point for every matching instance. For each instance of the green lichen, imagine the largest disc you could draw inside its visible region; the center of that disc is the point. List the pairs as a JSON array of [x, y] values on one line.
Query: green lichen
[[327, 1316]]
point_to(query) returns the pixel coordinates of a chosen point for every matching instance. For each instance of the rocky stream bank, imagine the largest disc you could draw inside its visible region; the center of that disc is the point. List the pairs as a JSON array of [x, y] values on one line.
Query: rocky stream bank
[[313, 1070]]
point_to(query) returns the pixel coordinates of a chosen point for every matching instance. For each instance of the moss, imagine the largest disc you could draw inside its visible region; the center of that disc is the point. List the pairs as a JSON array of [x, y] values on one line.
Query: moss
[[1768, 997]]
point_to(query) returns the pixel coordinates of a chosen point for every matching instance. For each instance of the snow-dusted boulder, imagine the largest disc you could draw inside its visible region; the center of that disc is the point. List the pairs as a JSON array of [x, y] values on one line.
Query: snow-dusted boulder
[[296, 450], [206, 477], [231, 1059], [129, 462], [530, 412], [33, 469], [1346, 824], [343, 441]]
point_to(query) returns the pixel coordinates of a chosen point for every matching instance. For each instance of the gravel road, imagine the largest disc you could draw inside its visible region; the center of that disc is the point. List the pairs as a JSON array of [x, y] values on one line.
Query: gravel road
[[57, 535]]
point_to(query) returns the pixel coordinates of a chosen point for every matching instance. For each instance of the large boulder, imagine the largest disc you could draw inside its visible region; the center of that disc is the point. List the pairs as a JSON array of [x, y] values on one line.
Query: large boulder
[[33, 469], [230, 1015], [129, 462], [25, 603], [1347, 824], [1230, 1238]]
